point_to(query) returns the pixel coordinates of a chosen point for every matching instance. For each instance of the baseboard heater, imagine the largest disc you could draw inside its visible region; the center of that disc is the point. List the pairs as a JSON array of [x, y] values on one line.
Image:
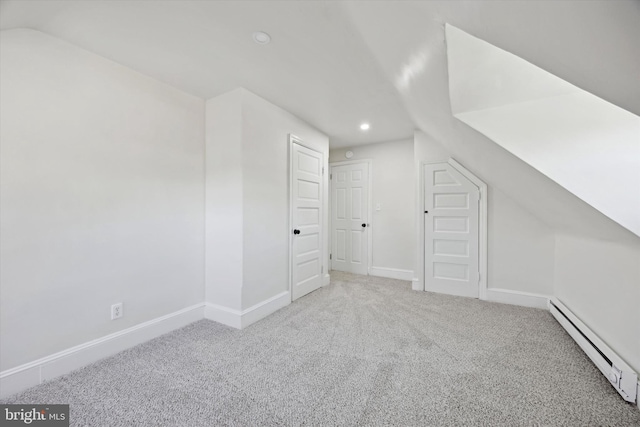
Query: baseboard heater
[[616, 370]]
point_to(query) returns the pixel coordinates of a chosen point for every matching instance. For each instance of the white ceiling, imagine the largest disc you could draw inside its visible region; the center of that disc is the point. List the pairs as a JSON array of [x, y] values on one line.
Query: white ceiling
[[562, 131], [316, 65], [337, 64]]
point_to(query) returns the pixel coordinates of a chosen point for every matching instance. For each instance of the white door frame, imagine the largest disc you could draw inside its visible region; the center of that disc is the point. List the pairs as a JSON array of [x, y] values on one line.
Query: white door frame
[[296, 140], [482, 227], [369, 162]]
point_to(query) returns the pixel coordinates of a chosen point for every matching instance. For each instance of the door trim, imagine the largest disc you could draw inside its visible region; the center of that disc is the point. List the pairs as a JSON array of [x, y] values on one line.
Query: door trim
[[482, 226], [293, 139], [369, 162]]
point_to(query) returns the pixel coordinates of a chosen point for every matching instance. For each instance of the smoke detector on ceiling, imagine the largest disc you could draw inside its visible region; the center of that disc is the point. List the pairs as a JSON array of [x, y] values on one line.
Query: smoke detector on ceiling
[[261, 37]]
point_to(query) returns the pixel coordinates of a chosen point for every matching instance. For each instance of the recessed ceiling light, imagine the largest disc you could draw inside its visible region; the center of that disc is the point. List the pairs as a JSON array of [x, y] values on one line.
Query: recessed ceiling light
[[261, 37], [365, 126]]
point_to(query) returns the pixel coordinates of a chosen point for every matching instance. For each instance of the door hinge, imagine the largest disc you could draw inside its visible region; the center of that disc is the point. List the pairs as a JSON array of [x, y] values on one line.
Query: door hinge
[[329, 256], [323, 170], [330, 176]]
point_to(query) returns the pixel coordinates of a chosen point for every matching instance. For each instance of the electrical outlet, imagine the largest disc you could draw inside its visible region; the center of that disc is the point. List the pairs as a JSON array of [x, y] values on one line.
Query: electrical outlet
[[116, 311]]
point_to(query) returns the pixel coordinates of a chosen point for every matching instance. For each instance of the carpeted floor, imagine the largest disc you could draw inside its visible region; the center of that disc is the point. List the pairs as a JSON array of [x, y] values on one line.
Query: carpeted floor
[[362, 351]]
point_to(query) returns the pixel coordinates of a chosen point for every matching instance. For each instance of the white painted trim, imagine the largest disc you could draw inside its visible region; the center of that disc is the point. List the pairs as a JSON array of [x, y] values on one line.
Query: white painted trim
[[483, 224], [261, 310], [420, 219], [226, 316], [292, 140], [326, 280], [391, 273], [416, 285], [33, 373], [241, 319], [350, 162], [525, 299], [370, 210]]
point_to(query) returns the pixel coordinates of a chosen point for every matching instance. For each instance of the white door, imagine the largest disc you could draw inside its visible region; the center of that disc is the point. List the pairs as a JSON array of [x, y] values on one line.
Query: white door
[[451, 227], [349, 217], [306, 220]]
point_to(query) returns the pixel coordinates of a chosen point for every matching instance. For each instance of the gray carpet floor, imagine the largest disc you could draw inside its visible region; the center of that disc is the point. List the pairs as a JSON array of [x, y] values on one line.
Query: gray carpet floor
[[362, 351]]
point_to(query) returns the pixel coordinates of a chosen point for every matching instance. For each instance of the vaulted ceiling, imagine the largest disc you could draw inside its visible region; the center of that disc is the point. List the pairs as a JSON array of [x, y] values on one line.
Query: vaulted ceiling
[[337, 64]]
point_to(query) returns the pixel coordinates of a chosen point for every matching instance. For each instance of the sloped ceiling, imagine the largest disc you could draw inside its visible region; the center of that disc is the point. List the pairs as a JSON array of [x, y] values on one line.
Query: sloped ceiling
[[587, 145], [335, 64], [586, 43]]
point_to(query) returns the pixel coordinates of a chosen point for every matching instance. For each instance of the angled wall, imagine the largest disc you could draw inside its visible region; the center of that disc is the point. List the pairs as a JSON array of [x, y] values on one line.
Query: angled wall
[[520, 246]]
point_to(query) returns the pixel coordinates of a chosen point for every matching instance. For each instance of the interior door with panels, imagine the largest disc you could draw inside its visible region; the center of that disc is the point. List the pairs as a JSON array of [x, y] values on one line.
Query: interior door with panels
[[306, 220], [349, 217], [451, 226]]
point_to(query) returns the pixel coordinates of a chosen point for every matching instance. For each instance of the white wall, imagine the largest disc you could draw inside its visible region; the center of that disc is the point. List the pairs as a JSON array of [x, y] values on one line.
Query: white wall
[[248, 198], [600, 282], [597, 279], [520, 246], [265, 131], [393, 228], [101, 192], [224, 200]]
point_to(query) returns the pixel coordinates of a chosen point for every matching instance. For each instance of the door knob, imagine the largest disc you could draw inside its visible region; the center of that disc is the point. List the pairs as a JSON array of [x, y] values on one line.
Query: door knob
[[364, 225], [296, 231]]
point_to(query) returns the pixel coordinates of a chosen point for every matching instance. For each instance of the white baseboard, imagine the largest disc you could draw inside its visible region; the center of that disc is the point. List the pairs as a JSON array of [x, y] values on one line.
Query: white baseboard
[[326, 280], [31, 374], [224, 315], [525, 299], [261, 310], [416, 285], [391, 273], [241, 319]]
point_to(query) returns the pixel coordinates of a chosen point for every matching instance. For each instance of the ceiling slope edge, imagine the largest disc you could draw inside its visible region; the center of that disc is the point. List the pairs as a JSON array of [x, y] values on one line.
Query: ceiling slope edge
[[585, 144]]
